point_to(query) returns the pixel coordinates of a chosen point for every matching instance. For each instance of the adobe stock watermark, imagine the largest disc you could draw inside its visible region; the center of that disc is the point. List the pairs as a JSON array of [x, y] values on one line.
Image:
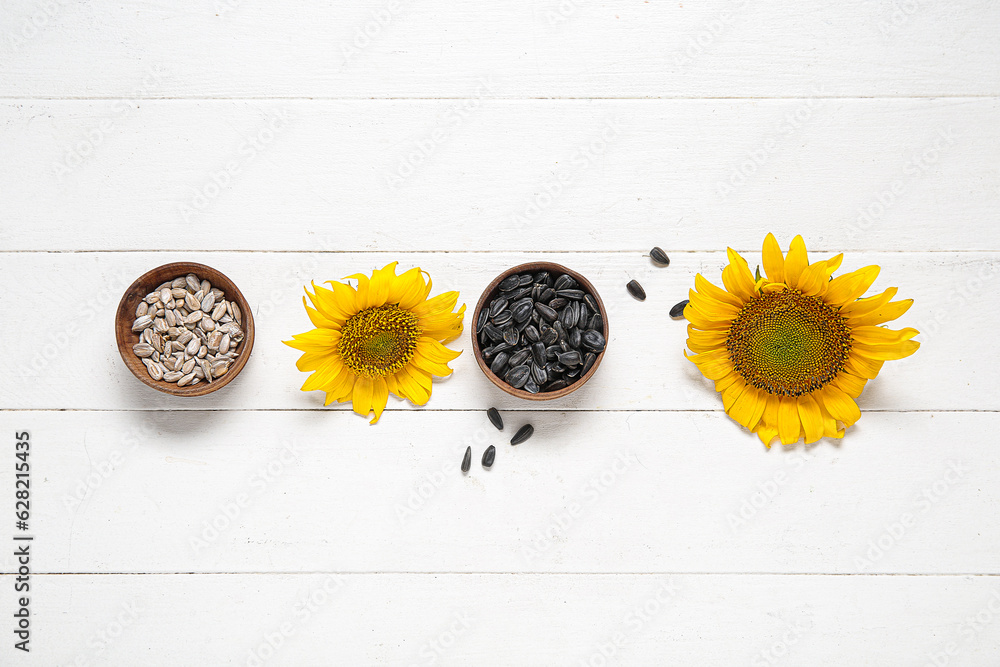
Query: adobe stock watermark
[[967, 630], [96, 303], [86, 145], [86, 486], [365, 34], [896, 530], [40, 18], [767, 490], [756, 158], [426, 487], [783, 646], [710, 32], [561, 521], [581, 159], [220, 180], [447, 124], [916, 166], [964, 294], [434, 648], [303, 611], [898, 16], [105, 637], [608, 651], [230, 510]]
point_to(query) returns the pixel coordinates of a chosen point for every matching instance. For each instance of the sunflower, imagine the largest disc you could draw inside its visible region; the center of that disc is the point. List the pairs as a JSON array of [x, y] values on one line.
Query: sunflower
[[385, 336], [791, 351]]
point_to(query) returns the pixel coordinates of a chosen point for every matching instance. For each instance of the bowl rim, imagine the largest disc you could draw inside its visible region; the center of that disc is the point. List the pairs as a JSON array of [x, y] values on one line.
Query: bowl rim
[[493, 287], [126, 338]]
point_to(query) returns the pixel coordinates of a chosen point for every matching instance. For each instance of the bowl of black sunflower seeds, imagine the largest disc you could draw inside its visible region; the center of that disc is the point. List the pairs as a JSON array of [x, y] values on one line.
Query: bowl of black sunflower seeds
[[541, 331]]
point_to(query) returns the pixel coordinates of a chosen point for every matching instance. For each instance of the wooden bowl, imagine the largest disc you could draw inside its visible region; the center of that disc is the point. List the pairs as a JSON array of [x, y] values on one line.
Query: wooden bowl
[[125, 316], [492, 290]]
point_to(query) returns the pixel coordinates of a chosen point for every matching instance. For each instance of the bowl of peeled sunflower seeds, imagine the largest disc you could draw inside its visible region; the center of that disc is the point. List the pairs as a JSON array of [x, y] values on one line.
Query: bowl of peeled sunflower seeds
[[540, 331], [184, 329]]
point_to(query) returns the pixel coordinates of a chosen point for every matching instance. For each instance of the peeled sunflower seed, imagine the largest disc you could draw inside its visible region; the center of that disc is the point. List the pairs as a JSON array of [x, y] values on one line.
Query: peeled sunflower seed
[[489, 456], [522, 434], [467, 459], [658, 256], [495, 418], [635, 289], [677, 312]]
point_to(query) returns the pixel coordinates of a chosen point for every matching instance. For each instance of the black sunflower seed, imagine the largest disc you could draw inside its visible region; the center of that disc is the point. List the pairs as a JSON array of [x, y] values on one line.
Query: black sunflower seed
[[571, 358], [635, 289], [498, 306], [565, 281], [522, 311], [568, 316], [539, 374], [511, 335], [542, 277], [677, 312], [531, 333], [538, 353], [493, 333], [558, 303], [484, 317], [547, 295], [571, 294], [593, 340], [520, 293], [525, 279], [489, 456], [574, 338], [556, 385], [531, 387], [591, 303], [518, 357], [549, 335], [522, 434], [467, 459], [517, 376], [546, 312], [499, 363], [658, 256], [554, 368], [510, 283], [596, 322], [552, 352], [495, 418], [588, 362], [503, 317]]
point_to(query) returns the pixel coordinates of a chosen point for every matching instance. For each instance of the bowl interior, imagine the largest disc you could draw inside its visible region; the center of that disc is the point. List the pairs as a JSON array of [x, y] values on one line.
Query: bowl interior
[[137, 291], [494, 288]]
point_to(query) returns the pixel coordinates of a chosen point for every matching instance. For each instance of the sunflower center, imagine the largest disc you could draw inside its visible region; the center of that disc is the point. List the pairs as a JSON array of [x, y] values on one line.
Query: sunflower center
[[378, 341], [788, 343]]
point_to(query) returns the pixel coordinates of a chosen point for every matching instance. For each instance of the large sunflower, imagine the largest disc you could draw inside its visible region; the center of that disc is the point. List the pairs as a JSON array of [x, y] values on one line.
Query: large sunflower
[[383, 336], [790, 352]]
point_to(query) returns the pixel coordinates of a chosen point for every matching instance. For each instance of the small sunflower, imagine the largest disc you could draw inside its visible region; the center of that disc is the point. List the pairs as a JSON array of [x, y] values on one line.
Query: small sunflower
[[790, 352], [383, 336]]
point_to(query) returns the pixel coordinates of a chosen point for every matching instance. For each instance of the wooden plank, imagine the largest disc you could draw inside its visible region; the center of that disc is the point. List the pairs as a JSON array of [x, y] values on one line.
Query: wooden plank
[[319, 619], [60, 351], [589, 492], [417, 175], [555, 49]]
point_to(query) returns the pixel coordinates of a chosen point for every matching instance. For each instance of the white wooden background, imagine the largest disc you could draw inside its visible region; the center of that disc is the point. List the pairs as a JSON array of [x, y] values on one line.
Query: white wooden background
[[281, 144]]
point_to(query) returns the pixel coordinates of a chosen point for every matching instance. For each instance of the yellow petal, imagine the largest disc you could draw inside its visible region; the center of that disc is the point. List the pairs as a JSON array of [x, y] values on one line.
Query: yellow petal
[[713, 365], [380, 284], [708, 289], [774, 262], [868, 304], [862, 366], [795, 263], [362, 397], [848, 287], [380, 396], [839, 405], [737, 277], [814, 280], [789, 426], [409, 380], [712, 307], [811, 417], [871, 335], [749, 407], [850, 384], [886, 352], [409, 289], [442, 303], [704, 320], [336, 304], [886, 313]]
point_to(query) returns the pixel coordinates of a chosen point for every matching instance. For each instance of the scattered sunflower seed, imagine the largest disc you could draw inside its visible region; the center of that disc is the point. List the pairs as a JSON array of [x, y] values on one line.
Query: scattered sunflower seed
[[677, 312], [495, 418], [635, 289], [488, 456], [522, 434], [658, 256], [467, 459]]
